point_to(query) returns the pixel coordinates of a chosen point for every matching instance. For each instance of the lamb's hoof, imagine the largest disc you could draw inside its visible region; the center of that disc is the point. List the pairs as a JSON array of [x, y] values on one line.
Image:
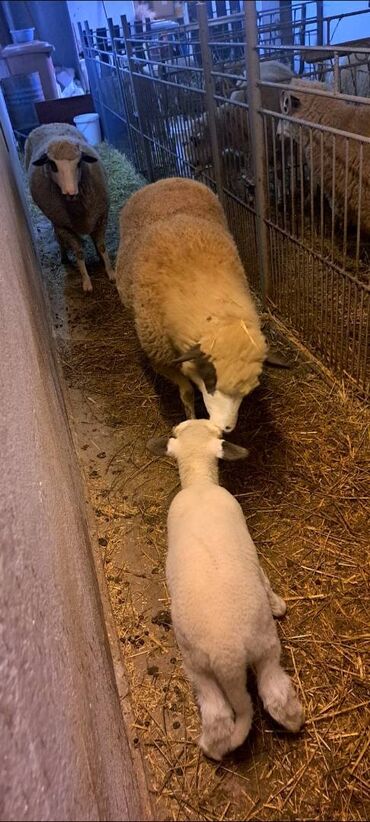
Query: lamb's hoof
[[111, 275], [87, 286], [290, 713], [216, 744]]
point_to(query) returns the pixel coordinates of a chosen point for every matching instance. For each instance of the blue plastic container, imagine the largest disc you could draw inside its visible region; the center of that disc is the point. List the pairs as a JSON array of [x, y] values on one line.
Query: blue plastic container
[[22, 35]]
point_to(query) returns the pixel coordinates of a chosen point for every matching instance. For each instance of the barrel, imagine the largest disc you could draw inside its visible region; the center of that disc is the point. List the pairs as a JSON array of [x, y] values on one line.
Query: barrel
[[21, 92]]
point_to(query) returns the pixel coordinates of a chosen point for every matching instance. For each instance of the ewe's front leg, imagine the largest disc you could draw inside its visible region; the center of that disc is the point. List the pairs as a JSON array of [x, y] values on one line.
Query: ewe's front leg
[[63, 251], [185, 388], [69, 240], [98, 237], [277, 604]]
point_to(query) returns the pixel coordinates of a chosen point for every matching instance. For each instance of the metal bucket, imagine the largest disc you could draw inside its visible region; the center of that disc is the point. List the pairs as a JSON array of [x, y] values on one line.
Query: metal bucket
[[21, 92]]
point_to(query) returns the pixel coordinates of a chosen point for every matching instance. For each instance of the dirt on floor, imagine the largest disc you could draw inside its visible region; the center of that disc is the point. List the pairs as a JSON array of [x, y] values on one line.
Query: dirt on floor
[[304, 491]]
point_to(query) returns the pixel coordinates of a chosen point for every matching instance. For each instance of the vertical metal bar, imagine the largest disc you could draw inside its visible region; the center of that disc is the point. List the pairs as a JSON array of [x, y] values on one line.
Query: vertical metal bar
[[97, 85], [129, 51], [256, 135], [210, 102], [358, 234], [301, 176], [336, 73], [321, 193], [345, 216], [333, 198], [320, 22], [120, 83]]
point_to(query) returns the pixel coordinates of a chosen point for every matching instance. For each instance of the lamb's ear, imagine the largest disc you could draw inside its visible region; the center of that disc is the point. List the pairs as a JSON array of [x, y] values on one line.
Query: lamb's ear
[[41, 161], [158, 446], [230, 451], [276, 359], [88, 158]]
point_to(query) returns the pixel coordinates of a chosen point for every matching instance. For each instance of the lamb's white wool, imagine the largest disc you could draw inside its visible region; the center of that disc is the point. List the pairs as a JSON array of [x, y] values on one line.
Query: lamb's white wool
[[221, 601]]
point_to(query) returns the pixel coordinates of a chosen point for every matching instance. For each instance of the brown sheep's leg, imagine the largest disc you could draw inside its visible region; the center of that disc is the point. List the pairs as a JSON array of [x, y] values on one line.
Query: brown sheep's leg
[[185, 388], [63, 251], [71, 241], [98, 237]]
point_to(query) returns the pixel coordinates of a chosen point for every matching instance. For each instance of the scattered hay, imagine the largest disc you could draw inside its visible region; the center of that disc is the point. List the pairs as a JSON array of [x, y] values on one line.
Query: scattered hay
[[304, 492]]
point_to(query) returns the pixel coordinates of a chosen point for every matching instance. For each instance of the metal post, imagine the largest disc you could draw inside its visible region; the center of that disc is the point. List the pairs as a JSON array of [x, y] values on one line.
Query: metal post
[[120, 84], [209, 99], [148, 172], [101, 108], [257, 144]]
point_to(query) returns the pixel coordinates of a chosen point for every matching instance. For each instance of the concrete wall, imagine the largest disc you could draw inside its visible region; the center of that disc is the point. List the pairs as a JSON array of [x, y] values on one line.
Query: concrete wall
[[64, 751]]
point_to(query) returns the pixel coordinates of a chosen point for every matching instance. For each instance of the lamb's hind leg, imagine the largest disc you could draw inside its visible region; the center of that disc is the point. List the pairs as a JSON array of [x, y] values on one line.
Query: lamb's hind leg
[[69, 240], [277, 604], [216, 713], [185, 388], [235, 688], [276, 690], [98, 237]]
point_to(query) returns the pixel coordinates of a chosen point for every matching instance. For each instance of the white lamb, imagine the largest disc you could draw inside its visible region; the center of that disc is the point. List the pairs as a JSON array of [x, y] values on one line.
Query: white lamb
[[221, 600]]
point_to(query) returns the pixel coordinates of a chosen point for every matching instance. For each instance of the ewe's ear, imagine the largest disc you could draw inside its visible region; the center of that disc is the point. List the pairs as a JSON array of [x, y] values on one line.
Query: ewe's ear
[[158, 446], [288, 102], [230, 451], [41, 161], [88, 158]]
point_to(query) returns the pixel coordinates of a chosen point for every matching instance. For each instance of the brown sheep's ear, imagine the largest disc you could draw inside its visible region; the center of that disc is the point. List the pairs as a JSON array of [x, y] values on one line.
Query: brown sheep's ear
[[204, 364], [41, 161], [230, 451], [288, 102], [276, 359], [88, 158], [158, 446], [191, 354]]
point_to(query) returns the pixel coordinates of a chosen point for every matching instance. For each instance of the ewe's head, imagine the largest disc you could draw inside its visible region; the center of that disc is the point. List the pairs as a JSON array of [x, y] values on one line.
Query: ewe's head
[[63, 161], [193, 439], [226, 366]]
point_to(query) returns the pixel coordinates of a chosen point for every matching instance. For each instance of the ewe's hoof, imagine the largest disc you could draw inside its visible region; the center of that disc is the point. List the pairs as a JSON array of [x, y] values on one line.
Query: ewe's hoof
[[87, 286], [112, 275]]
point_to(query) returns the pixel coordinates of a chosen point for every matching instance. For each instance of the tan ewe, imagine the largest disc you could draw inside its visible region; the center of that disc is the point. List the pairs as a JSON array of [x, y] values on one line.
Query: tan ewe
[[179, 271]]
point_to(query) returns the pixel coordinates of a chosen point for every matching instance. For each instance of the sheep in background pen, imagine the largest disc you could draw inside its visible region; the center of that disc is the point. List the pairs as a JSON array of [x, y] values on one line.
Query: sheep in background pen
[[232, 120], [222, 603], [67, 182], [352, 175], [180, 273]]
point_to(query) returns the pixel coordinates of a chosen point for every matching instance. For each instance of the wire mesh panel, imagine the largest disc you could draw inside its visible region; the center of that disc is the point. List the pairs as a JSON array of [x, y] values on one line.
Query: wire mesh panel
[[289, 158], [318, 215]]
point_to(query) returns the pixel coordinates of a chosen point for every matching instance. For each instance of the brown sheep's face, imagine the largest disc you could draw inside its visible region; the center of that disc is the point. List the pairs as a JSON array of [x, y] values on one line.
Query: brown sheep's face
[[198, 151], [66, 173]]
